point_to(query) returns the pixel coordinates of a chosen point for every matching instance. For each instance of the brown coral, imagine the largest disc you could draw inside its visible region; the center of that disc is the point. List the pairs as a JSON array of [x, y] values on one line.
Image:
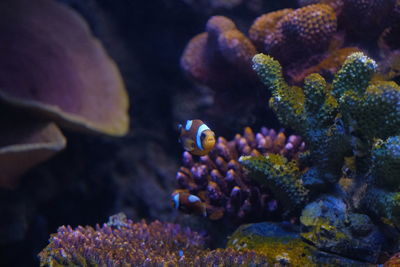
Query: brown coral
[[222, 185], [53, 68], [327, 67], [212, 57], [265, 25], [301, 33], [299, 39]]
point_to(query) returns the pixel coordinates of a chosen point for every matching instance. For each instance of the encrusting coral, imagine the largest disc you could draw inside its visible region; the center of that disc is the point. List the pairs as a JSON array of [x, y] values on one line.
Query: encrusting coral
[[121, 242], [221, 184], [46, 72], [354, 118]]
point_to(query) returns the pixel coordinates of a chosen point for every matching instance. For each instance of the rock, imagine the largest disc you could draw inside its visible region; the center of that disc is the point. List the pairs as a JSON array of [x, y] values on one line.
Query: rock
[[282, 245], [330, 226]]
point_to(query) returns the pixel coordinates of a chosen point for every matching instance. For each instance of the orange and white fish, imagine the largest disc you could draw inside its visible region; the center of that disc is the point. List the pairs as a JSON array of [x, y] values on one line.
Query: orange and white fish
[[196, 137], [188, 203]]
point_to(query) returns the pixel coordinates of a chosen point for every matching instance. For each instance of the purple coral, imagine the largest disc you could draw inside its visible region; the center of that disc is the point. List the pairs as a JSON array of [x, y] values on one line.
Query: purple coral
[[221, 185], [121, 242]]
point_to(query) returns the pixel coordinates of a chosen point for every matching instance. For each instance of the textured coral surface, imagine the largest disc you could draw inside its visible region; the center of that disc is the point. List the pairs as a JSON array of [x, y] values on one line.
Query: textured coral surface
[[221, 183], [122, 242], [355, 117]]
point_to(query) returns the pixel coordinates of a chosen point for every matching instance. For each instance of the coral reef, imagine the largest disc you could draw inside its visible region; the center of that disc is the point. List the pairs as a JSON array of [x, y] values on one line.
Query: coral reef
[[292, 36], [318, 36], [351, 125], [220, 182], [121, 242], [46, 72]]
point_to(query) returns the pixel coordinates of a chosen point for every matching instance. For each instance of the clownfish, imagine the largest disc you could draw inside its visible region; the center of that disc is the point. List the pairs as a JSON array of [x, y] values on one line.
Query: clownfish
[[196, 137], [188, 203]]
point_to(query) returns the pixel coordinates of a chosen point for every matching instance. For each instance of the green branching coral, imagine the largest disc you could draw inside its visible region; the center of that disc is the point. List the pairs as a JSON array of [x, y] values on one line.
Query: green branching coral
[[386, 162], [313, 112], [280, 176], [356, 117]]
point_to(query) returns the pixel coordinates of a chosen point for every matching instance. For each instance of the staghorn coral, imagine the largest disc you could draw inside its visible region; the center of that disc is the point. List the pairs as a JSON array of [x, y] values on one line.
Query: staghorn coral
[[46, 72], [215, 56], [354, 117], [121, 242], [222, 185]]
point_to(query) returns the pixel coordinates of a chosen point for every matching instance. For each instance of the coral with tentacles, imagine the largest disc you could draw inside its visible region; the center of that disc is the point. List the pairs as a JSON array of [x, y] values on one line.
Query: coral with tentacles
[[221, 184]]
